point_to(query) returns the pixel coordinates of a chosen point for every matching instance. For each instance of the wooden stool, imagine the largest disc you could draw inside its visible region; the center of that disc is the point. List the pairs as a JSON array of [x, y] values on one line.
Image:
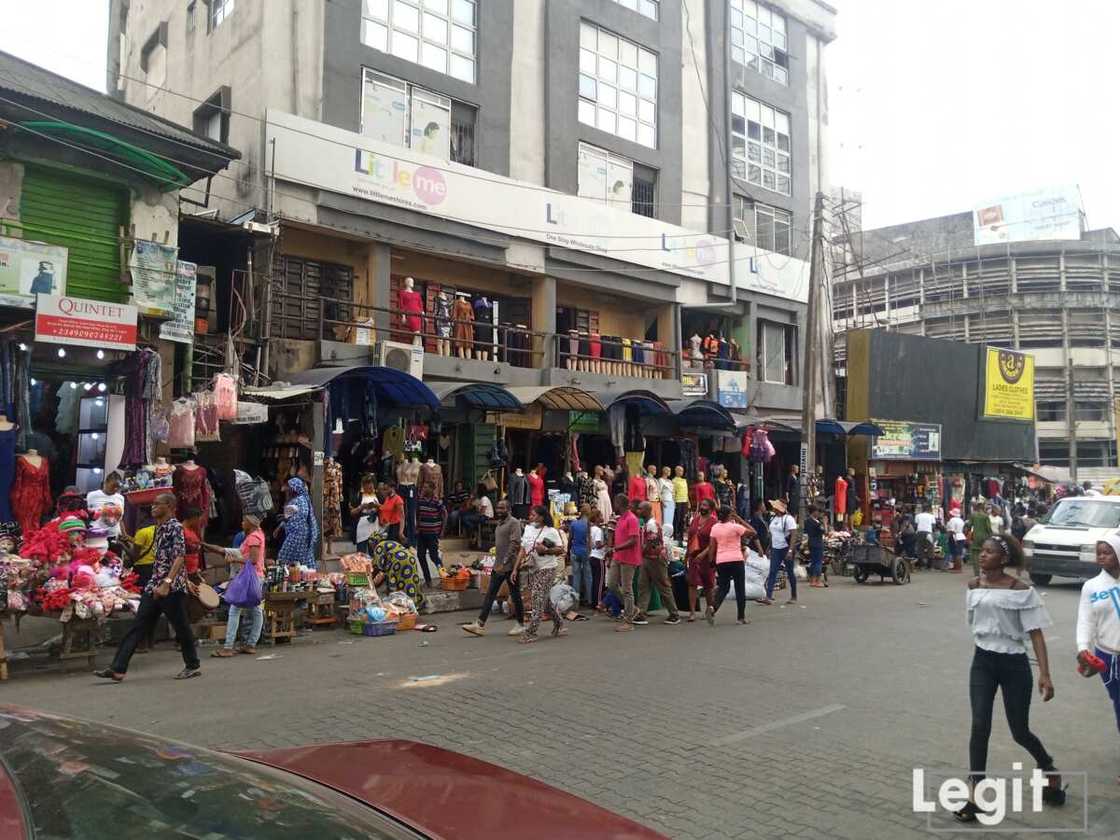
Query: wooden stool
[[321, 612], [279, 615]]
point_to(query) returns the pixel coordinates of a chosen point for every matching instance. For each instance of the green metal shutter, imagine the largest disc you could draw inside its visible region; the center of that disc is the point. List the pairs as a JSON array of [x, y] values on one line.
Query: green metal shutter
[[475, 442], [85, 216]]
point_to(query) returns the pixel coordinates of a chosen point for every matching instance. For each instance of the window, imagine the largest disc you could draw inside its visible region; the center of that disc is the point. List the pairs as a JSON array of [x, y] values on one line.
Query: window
[[765, 226], [644, 198], [400, 114], [441, 35], [1090, 411], [1050, 411], [211, 119], [190, 15], [758, 39], [605, 177], [153, 59], [776, 352], [649, 8], [219, 11], [617, 86], [760, 144]]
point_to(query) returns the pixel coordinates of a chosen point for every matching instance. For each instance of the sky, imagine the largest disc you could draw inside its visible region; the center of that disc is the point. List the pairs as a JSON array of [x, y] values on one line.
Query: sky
[[935, 106]]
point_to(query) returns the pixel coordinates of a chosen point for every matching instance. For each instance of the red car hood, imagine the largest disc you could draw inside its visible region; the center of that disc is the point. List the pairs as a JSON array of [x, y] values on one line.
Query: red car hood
[[450, 796]]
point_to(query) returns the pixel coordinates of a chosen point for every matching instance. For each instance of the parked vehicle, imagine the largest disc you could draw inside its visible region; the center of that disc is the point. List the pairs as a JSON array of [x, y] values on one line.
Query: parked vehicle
[[1064, 542], [67, 778]]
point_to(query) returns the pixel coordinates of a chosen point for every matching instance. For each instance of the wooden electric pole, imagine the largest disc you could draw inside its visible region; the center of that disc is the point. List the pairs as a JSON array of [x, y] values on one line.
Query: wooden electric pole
[[809, 367]]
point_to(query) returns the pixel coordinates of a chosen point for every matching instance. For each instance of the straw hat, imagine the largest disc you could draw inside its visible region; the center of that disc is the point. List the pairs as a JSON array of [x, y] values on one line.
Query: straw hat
[[779, 506]]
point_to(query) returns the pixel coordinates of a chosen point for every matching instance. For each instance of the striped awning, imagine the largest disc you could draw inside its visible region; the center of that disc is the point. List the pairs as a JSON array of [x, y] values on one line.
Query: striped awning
[[557, 397]]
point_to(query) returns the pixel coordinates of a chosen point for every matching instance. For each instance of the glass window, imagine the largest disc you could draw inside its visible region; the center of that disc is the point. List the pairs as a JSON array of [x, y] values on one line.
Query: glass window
[[619, 78], [768, 130], [400, 114], [766, 227], [649, 8], [775, 351], [610, 178], [219, 11], [434, 33], [758, 39]]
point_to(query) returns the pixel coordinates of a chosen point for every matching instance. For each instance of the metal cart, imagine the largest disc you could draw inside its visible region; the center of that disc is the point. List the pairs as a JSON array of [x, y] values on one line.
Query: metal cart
[[870, 560]]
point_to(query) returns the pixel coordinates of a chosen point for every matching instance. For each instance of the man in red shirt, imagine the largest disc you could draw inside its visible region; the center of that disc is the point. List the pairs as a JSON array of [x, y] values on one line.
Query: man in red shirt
[[625, 558], [391, 512]]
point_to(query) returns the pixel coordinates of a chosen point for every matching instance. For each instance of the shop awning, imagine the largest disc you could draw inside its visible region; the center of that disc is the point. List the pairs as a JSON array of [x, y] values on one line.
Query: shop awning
[[484, 395], [558, 397], [706, 414], [391, 386], [847, 428], [648, 403]]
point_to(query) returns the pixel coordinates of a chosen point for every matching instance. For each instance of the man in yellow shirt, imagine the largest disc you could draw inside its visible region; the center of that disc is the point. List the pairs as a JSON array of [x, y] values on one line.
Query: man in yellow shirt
[[680, 497], [142, 550]]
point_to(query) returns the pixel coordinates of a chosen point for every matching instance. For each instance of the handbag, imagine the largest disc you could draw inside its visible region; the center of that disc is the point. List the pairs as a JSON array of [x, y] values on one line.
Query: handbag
[[489, 482]]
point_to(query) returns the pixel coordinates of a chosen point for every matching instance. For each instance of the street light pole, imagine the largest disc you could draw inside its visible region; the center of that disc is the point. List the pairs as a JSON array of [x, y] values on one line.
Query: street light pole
[[809, 367]]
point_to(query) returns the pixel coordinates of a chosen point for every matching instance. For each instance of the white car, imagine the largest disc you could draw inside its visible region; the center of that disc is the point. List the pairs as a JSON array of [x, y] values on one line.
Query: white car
[[1064, 542]]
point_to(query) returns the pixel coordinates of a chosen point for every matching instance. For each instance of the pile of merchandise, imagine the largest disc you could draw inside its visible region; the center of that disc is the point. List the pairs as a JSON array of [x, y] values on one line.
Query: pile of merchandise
[[371, 616]]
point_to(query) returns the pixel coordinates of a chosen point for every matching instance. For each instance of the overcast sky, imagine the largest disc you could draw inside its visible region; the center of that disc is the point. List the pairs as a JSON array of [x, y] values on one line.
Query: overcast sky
[[936, 106]]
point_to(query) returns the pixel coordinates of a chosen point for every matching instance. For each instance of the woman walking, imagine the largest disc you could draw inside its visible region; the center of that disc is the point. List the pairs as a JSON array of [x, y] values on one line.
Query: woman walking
[[1098, 622], [726, 547], [301, 528], [782, 526], [251, 551], [701, 570], [541, 548], [1003, 612]]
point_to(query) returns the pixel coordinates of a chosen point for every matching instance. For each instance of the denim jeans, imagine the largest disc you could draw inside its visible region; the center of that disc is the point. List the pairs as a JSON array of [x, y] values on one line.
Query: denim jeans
[[778, 558], [816, 560], [581, 577], [235, 613]]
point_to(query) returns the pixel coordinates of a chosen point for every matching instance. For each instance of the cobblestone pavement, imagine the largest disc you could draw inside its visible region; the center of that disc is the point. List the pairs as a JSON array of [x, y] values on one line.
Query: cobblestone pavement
[[807, 723]]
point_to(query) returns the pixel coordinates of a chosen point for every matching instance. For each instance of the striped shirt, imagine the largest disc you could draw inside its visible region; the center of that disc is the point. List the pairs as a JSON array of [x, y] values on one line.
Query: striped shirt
[[429, 516]]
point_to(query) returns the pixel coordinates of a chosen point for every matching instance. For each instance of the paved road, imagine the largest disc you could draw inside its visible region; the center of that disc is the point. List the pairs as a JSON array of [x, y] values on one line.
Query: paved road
[[807, 723]]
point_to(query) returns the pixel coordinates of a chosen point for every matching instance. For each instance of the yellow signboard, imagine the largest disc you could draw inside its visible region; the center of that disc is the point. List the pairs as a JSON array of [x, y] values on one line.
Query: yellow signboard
[[530, 418], [1008, 384]]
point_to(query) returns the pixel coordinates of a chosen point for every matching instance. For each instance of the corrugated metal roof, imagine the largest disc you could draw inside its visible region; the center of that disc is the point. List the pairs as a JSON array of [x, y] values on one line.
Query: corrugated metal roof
[[23, 80]]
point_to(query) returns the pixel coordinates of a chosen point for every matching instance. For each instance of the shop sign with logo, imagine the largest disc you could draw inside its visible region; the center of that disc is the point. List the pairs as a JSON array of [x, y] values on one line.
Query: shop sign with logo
[[28, 269], [251, 412], [731, 388], [85, 323], [694, 384], [1008, 379], [905, 441], [583, 421], [181, 326], [154, 269], [531, 418]]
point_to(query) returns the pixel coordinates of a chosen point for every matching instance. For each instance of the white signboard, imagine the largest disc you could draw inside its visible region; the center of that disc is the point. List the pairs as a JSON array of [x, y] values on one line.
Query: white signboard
[[251, 412], [153, 277], [28, 269], [316, 155], [85, 323], [181, 326], [1051, 213], [731, 388]]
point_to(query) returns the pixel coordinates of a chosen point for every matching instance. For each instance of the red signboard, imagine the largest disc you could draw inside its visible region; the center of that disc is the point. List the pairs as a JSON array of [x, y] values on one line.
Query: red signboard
[[86, 323]]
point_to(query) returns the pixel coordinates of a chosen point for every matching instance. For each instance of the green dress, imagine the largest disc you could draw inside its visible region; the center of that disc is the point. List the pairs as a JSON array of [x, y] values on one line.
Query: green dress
[[398, 564], [981, 527]]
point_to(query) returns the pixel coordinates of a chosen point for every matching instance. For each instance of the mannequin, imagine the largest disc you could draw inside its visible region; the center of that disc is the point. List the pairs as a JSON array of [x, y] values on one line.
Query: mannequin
[[536, 485], [567, 485], [162, 468], [462, 314], [653, 491], [408, 473], [519, 493], [636, 487], [725, 489], [701, 490], [483, 327], [7, 465], [585, 489], [441, 310], [31, 491], [411, 305], [602, 492], [432, 473], [668, 504], [840, 499], [192, 490], [595, 351], [680, 501]]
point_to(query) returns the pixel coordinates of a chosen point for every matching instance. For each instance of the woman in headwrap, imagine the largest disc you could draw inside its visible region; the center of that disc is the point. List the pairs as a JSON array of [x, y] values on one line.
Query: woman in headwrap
[[301, 530], [394, 563]]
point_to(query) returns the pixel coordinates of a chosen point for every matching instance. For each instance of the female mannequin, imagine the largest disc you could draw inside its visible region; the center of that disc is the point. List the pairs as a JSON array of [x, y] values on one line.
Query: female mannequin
[[602, 492], [653, 491], [483, 327], [462, 313], [192, 490], [694, 351], [31, 492], [441, 309], [411, 305]]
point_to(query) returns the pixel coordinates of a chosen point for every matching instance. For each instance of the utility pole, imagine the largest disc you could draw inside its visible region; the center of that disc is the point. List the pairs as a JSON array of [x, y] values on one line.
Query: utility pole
[[1071, 421], [809, 367]]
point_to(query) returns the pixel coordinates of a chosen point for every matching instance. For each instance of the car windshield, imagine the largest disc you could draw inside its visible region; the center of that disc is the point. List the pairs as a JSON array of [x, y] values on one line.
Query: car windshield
[[1083, 513], [87, 781]]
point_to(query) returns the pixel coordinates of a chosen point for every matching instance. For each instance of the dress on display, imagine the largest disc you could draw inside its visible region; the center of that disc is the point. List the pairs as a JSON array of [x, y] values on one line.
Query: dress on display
[[192, 490], [462, 313], [483, 322], [31, 494], [332, 499], [7, 471], [536, 489], [412, 305], [441, 309], [432, 474], [603, 498]]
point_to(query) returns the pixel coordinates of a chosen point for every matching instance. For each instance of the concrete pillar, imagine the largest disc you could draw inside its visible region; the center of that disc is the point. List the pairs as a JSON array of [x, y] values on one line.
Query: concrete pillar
[[544, 321], [1015, 328], [379, 269], [1062, 271]]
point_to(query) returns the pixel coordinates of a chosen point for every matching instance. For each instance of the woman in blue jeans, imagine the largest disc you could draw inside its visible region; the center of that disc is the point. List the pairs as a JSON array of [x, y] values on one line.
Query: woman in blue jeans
[[782, 528]]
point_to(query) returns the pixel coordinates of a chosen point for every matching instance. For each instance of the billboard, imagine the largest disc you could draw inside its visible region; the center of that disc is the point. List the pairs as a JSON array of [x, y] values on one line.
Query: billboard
[[28, 269], [905, 441], [1050, 213], [1008, 382]]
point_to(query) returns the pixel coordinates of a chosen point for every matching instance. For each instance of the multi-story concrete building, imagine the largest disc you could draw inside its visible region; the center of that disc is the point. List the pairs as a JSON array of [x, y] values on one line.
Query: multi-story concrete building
[[1056, 300], [579, 164]]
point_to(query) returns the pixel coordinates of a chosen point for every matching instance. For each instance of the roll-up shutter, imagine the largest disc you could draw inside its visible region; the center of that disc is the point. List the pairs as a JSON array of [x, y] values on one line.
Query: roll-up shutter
[[85, 216]]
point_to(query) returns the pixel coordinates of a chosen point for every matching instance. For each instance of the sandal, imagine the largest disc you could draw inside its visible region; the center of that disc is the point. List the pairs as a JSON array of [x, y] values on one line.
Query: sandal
[[224, 653], [968, 813], [526, 640], [250, 650]]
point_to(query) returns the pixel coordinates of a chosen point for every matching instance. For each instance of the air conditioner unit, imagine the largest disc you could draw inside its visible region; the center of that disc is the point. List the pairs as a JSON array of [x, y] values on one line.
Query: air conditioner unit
[[406, 357]]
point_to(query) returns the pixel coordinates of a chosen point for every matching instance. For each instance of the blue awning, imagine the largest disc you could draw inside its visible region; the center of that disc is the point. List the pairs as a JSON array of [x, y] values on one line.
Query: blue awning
[[830, 427], [648, 402], [391, 386], [706, 414], [484, 395], [848, 428]]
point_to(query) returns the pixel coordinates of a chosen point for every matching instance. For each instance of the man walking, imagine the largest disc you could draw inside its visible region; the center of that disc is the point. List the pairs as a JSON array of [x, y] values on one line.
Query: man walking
[[166, 593], [625, 557], [507, 542], [654, 571], [431, 517], [579, 555]]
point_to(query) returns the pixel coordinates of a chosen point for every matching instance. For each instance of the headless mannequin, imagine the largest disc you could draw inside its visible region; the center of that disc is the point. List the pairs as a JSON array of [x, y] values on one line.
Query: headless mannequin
[[482, 349], [32, 457], [411, 305]]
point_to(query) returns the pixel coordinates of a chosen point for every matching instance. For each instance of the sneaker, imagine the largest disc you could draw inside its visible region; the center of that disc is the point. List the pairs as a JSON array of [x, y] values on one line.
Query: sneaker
[[673, 619], [640, 621], [109, 674], [188, 673], [474, 628], [516, 630], [710, 616]]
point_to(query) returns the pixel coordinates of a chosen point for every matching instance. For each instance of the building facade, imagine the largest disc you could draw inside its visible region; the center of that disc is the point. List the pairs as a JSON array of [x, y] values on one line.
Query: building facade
[[635, 171], [1053, 299]]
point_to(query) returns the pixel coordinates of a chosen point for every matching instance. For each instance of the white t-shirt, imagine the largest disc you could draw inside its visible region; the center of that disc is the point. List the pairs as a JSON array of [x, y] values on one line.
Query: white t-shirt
[[486, 507], [956, 528], [365, 528], [96, 500], [780, 529], [997, 524], [923, 522], [596, 538], [536, 533], [665, 486]]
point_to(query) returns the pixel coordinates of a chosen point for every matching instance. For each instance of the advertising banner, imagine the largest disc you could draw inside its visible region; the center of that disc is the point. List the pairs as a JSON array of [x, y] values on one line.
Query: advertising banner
[[86, 323], [181, 326], [905, 441], [153, 277], [28, 269], [731, 388], [1051, 213], [1008, 383], [694, 384]]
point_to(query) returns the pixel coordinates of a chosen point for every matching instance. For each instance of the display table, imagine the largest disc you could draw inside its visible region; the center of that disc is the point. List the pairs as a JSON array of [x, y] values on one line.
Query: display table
[[321, 610], [279, 614]]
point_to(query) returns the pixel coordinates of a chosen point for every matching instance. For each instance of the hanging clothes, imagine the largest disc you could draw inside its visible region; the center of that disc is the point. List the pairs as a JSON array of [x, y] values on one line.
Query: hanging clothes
[[332, 499], [7, 471], [31, 493], [462, 313]]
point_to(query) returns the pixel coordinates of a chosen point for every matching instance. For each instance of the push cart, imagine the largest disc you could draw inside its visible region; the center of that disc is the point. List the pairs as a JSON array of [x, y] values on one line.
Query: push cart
[[870, 559]]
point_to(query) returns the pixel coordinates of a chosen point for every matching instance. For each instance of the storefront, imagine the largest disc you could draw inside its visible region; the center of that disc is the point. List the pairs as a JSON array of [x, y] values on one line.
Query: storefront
[[545, 430], [903, 468]]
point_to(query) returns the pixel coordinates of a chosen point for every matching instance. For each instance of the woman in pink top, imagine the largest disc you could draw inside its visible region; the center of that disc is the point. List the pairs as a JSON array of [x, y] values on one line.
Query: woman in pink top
[[252, 551], [726, 547]]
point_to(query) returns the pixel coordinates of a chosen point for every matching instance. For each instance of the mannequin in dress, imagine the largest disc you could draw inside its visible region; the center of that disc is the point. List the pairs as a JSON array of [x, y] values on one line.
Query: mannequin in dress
[[519, 493], [462, 314], [411, 305], [668, 505], [483, 327], [441, 310], [653, 491], [702, 490], [432, 473], [602, 492], [636, 488], [7, 465], [192, 490], [536, 485], [31, 492]]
